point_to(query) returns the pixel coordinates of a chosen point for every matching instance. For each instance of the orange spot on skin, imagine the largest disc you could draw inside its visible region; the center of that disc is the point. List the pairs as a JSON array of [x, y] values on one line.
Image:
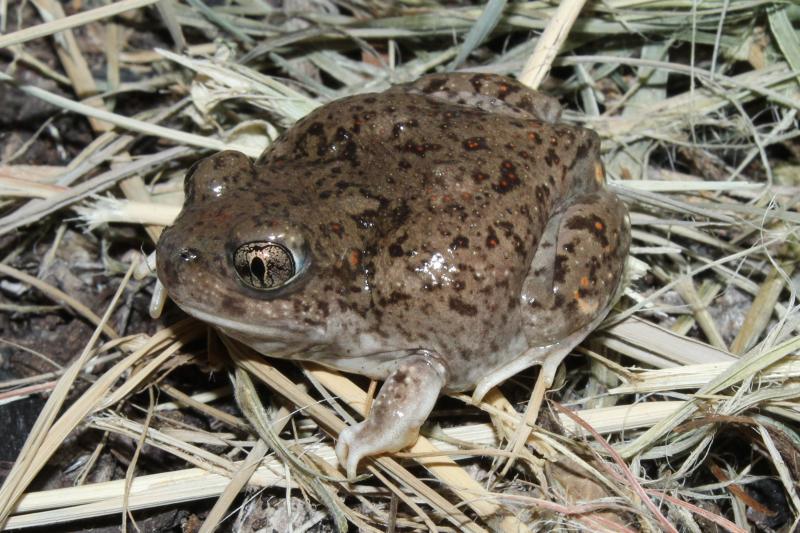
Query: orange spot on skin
[[599, 226], [585, 282], [355, 258], [577, 295]]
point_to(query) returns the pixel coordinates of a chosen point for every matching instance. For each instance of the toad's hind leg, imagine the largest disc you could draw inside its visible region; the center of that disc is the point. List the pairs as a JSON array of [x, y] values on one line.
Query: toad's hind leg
[[572, 282], [402, 405], [577, 266]]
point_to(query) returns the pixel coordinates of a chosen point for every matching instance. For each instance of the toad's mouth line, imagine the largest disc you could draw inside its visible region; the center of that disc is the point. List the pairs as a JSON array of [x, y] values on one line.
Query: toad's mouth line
[[278, 330]]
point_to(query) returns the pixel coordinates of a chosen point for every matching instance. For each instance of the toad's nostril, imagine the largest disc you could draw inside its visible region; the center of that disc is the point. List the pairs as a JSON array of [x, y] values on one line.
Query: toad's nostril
[[188, 254]]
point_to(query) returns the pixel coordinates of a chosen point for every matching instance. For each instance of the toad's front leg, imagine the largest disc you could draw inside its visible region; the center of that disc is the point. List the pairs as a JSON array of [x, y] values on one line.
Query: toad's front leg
[[403, 404]]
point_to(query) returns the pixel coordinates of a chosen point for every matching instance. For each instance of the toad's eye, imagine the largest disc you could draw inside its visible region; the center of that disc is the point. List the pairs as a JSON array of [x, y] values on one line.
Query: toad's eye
[[264, 265]]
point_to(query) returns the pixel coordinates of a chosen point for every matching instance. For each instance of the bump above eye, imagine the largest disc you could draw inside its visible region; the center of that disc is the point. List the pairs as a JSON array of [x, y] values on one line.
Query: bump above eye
[[264, 265]]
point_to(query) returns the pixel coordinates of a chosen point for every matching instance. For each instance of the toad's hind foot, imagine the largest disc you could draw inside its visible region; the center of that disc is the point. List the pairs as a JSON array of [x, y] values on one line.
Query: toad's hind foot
[[402, 405]]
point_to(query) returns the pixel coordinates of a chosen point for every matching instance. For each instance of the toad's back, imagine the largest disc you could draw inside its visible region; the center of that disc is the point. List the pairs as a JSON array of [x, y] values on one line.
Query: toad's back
[[445, 204]]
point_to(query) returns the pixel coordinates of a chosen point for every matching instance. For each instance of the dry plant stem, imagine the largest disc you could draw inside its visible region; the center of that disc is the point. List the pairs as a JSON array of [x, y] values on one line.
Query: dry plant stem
[[310, 480], [43, 68], [237, 483], [129, 123], [60, 297], [209, 410], [78, 19], [633, 483], [581, 511], [739, 492], [757, 318], [748, 365], [147, 492], [27, 391], [399, 494], [659, 347], [33, 212], [250, 404], [74, 63], [697, 376], [112, 45], [707, 292], [167, 11], [528, 421], [784, 473], [685, 287], [131, 470], [505, 421], [506, 425], [24, 468], [134, 189], [242, 477], [548, 45], [717, 519]]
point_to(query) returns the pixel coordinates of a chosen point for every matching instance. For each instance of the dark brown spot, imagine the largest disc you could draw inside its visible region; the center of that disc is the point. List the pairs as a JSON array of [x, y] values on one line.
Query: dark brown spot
[[420, 149], [397, 296], [582, 150], [552, 158], [508, 178], [491, 238], [434, 85], [477, 82], [459, 242], [593, 224], [560, 268], [461, 307]]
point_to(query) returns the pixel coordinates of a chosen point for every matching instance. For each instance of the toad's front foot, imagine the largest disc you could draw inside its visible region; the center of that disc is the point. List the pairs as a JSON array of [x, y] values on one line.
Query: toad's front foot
[[404, 402]]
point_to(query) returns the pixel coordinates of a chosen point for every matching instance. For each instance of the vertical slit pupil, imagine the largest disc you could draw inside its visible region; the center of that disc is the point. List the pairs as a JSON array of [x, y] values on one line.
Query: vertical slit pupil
[[258, 270]]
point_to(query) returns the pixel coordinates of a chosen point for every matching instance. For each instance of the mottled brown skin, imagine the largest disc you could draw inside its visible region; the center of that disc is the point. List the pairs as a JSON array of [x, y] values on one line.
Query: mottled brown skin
[[445, 233]]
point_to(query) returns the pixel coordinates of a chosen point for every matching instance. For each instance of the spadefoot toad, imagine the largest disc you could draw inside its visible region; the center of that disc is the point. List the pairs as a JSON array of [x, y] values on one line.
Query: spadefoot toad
[[441, 236]]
